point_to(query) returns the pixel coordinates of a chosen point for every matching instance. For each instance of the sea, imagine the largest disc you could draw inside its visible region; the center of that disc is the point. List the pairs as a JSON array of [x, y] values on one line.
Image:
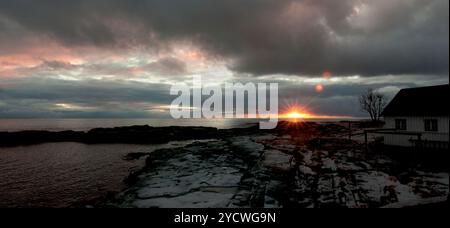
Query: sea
[[67, 174]]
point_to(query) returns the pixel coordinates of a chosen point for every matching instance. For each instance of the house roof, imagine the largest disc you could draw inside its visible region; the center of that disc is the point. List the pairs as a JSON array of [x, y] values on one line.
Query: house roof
[[422, 101]]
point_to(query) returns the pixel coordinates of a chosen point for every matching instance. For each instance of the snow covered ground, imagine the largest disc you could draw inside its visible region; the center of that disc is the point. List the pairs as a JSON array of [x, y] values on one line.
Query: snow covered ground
[[273, 170]]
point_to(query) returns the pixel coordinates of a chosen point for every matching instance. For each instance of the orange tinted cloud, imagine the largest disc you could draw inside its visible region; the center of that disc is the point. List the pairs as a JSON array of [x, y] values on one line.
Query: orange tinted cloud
[[25, 61]]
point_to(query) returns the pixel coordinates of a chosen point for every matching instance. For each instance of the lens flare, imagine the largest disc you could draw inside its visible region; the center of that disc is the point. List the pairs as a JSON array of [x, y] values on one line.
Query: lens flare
[[319, 88], [326, 74]]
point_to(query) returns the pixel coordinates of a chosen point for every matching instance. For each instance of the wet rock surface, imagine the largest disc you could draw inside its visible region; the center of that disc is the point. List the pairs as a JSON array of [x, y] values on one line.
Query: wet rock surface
[[277, 170]]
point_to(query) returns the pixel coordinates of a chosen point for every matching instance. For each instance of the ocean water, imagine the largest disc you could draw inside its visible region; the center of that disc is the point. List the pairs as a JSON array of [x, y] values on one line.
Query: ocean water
[[63, 174]]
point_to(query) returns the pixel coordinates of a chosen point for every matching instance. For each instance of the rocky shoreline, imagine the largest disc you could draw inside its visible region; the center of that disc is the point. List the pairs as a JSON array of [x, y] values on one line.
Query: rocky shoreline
[[130, 135], [299, 165], [296, 165]]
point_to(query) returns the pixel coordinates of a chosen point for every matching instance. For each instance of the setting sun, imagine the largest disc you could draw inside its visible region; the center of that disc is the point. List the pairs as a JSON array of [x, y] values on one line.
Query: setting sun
[[295, 115], [296, 112]]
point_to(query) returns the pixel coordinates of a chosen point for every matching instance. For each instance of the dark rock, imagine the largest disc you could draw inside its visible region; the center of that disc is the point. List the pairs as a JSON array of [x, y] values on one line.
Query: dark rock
[[35, 137], [134, 156], [134, 134]]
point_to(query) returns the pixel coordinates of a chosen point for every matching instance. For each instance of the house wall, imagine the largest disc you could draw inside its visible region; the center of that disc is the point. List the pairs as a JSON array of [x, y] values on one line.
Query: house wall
[[416, 124]]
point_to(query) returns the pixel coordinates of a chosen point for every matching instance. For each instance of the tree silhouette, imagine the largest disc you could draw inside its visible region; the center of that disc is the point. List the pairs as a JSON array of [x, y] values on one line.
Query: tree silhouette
[[373, 103]]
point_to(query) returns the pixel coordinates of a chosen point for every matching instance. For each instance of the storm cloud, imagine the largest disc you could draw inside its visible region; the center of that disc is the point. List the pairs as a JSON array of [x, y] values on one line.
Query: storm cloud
[[260, 37], [118, 58]]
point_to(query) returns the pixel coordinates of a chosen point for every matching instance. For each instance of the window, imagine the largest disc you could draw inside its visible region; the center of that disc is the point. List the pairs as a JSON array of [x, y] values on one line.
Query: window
[[400, 124], [431, 125]]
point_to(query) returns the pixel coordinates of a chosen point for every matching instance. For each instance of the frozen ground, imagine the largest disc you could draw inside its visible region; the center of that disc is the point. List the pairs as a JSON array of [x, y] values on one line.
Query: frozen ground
[[278, 170]]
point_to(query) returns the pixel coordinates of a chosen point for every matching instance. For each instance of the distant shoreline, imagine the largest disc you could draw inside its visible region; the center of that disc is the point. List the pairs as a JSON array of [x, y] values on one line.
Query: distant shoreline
[[143, 134], [15, 125], [138, 134]]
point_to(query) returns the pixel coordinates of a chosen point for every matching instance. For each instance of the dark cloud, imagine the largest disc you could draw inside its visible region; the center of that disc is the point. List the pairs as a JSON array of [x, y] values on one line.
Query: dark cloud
[[26, 97], [167, 67], [89, 98], [340, 98], [85, 91], [259, 36], [163, 67], [56, 65], [119, 42]]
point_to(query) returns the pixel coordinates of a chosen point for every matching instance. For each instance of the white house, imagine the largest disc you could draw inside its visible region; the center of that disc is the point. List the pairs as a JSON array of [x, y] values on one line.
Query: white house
[[418, 116]]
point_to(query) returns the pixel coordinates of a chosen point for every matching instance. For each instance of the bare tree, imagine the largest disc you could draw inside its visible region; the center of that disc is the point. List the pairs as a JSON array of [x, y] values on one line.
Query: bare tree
[[372, 103]]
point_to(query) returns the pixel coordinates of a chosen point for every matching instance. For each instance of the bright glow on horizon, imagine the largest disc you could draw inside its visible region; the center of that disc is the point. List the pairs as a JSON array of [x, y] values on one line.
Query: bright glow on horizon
[[295, 115], [297, 112]]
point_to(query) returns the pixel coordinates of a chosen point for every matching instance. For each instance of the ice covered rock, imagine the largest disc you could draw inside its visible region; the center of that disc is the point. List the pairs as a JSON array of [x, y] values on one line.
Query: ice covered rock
[[270, 170], [278, 161]]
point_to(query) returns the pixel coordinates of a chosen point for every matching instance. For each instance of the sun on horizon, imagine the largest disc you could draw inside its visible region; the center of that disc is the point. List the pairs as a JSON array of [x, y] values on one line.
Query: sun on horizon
[[296, 113]]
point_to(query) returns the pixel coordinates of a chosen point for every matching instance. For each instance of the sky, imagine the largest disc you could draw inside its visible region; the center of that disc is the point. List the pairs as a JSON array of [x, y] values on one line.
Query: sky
[[118, 58]]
